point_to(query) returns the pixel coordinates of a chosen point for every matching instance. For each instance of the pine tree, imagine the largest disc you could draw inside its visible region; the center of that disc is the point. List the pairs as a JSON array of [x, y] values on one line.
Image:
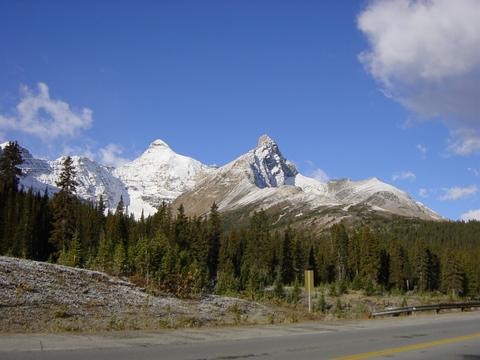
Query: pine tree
[[423, 266], [181, 228], [66, 182], [278, 289], [340, 246], [398, 261], [227, 283], [259, 251], [298, 258], [101, 205], [119, 259], [453, 277], [286, 260], [214, 234], [371, 261], [75, 250], [120, 206], [103, 260], [63, 207], [72, 256], [10, 159], [354, 256], [296, 293]]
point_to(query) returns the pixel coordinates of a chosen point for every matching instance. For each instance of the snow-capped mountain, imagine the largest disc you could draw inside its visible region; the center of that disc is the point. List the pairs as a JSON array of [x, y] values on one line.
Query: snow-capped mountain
[[158, 175], [263, 178], [93, 179], [260, 179]]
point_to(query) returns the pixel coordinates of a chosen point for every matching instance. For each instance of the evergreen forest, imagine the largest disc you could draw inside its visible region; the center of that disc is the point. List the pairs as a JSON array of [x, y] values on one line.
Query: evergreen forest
[[187, 256]]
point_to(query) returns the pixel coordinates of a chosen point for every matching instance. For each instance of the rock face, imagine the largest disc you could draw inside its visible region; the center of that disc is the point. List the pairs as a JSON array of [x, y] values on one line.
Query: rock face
[[260, 179]]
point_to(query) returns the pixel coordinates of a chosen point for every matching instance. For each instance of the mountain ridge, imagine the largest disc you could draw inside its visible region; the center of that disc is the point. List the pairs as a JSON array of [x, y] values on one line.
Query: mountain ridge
[[262, 178], [243, 182]]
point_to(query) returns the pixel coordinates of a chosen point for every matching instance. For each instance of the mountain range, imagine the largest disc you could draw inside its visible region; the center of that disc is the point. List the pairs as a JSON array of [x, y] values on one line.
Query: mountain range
[[262, 178]]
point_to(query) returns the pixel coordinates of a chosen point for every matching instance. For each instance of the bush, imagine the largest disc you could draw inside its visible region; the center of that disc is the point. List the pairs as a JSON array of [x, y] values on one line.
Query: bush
[[296, 293], [278, 290], [321, 305]]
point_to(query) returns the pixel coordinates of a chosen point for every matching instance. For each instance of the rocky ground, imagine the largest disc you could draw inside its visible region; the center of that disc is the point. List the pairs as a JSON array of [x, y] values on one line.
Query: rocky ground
[[43, 297], [38, 297]]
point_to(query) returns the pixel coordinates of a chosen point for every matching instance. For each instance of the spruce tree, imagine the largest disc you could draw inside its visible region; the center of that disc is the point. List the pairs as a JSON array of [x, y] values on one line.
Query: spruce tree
[[423, 266], [227, 283], [66, 182], [119, 259], [120, 206], [278, 290], [354, 256], [10, 159], [104, 258], [340, 246], [286, 259], [452, 275], [75, 250], [101, 205], [63, 207], [398, 261], [214, 234], [181, 228], [371, 260]]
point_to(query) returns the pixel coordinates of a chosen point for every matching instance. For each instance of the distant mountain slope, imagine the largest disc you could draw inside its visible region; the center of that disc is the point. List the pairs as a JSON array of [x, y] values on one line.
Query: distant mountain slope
[[263, 179]]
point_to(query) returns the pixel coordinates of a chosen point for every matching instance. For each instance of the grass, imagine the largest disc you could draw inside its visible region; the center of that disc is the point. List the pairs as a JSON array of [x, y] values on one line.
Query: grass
[[61, 312], [22, 288]]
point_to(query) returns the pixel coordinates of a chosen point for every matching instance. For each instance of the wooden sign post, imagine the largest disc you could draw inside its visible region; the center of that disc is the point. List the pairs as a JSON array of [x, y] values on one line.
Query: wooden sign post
[[309, 287]]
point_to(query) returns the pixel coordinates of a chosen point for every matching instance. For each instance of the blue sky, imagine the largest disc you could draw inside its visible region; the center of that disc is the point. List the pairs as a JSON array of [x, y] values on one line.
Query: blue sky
[[209, 77]]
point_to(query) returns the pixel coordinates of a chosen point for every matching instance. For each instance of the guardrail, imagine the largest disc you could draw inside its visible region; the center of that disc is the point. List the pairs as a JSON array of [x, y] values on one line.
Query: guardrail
[[435, 307]]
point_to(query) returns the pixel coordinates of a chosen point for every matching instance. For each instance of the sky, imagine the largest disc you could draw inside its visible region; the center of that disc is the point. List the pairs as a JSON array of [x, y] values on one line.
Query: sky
[[348, 89]]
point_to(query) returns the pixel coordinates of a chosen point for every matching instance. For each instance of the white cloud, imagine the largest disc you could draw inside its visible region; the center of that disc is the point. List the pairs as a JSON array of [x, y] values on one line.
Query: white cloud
[[475, 172], [426, 55], [423, 150], [315, 172], [404, 175], [39, 115], [456, 192], [423, 193], [110, 155], [320, 175], [471, 215], [464, 141]]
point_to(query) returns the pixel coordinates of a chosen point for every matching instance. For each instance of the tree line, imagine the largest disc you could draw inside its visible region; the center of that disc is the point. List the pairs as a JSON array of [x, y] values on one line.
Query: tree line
[[186, 255]]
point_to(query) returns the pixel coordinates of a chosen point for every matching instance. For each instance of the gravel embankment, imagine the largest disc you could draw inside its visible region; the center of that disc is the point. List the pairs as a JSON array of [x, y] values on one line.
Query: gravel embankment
[[37, 297]]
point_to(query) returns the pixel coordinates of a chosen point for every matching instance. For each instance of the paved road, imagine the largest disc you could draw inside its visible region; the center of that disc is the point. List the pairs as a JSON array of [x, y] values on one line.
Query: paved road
[[447, 336]]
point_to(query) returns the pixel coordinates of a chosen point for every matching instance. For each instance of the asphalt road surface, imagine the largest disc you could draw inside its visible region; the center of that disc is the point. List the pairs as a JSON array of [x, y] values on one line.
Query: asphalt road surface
[[444, 336]]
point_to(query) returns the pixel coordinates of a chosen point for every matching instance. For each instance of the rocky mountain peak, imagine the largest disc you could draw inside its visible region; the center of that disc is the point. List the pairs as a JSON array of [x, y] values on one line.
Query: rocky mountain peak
[[269, 167], [158, 144], [266, 140]]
